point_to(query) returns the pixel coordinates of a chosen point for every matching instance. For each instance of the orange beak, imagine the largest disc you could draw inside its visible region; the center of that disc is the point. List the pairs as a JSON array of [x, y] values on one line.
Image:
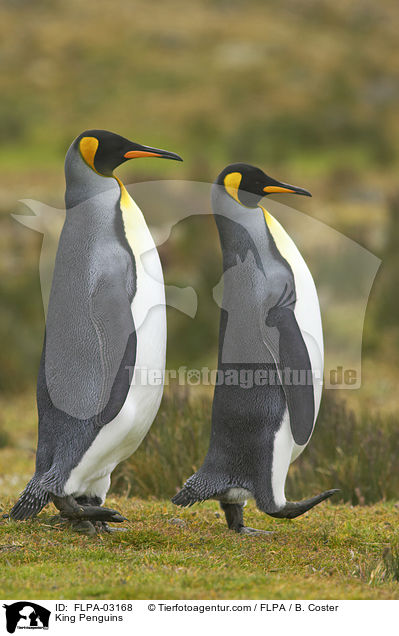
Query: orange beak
[[286, 188], [276, 189], [134, 154], [146, 151]]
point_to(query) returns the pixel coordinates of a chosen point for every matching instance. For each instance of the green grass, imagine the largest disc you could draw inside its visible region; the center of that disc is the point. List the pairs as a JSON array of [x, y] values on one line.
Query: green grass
[[334, 552]]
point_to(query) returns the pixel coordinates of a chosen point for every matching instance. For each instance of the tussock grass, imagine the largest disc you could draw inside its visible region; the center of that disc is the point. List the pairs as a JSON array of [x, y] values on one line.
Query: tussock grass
[[4, 438], [384, 568], [357, 453], [171, 452]]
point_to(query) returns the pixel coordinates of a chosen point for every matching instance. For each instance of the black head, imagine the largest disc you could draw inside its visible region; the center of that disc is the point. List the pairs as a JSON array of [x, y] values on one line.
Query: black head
[[248, 185], [104, 151]]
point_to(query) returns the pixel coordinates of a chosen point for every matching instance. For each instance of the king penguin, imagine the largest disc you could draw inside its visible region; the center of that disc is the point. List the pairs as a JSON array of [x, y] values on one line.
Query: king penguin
[[106, 321], [270, 361]]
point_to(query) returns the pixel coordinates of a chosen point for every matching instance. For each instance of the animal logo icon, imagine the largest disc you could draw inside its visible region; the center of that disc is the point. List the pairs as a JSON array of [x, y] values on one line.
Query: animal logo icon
[[26, 615]]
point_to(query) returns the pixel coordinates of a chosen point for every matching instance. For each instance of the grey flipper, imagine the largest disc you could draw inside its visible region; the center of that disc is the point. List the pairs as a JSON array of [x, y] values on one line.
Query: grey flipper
[[295, 370]]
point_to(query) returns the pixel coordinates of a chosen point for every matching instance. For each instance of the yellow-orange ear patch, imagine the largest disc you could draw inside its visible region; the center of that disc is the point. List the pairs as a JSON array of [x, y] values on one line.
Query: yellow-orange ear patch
[[88, 148], [232, 183]]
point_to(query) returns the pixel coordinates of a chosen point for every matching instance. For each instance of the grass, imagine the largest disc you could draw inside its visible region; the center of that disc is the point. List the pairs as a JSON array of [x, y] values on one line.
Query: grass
[[334, 552]]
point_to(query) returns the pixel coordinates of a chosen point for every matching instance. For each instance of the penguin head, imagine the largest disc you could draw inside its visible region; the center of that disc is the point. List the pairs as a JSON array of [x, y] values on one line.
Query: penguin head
[[248, 185], [103, 151]]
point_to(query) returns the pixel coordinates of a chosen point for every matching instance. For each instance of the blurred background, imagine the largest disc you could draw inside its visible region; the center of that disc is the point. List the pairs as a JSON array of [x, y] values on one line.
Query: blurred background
[[306, 89]]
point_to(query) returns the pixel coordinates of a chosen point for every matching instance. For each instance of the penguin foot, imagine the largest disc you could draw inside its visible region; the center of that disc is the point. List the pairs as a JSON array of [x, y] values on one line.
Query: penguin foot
[[83, 527], [97, 513], [294, 509], [102, 526], [235, 520], [73, 510], [253, 531], [90, 529]]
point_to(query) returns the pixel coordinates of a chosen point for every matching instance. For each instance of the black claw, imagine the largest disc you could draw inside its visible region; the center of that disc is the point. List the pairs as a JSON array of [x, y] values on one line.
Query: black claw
[[118, 518]]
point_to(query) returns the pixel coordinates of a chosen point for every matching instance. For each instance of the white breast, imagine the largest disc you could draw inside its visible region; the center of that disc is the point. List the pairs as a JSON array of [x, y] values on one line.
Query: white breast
[[120, 438], [307, 313]]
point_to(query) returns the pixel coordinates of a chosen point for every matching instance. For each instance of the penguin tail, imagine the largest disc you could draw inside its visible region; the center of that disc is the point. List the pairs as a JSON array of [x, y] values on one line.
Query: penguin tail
[[185, 497], [294, 509], [197, 488], [31, 501]]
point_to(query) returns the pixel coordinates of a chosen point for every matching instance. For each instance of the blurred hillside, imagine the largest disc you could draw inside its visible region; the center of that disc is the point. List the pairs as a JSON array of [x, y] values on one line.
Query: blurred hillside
[[307, 90], [311, 85]]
